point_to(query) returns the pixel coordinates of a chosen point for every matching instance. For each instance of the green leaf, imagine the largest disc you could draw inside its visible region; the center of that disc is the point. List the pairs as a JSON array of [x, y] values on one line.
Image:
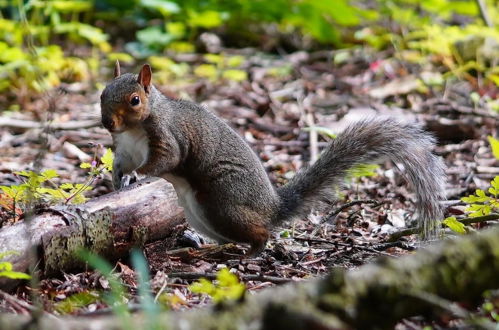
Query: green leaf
[[154, 37], [285, 234], [479, 197], [146, 299], [206, 19], [321, 130], [214, 58], [231, 288], [202, 286], [5, 265], [76, 301], [176, 29], [122, 57], [235, 61], [227, 288], [478, 210], [55, 194], [69, 6], [206, 71], [454, 225], [15, 275], [50, 174], [108, 159], [363, 170], [24, 173], [14, 192], [166, 8], [494, 144], [235, 75], [66, 186], [494, 189]]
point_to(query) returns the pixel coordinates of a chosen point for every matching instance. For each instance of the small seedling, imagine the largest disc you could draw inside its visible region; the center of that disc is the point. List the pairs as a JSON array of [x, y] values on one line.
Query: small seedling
[[226, 288], [6, 268]]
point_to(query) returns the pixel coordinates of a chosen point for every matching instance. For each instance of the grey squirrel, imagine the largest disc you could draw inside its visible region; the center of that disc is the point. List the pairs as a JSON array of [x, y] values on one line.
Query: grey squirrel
[[221, 183]]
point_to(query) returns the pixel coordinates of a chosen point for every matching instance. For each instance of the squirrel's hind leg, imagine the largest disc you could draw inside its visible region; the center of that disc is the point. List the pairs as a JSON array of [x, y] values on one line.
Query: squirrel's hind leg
[[258, 245], [257, 236], [240, 224]]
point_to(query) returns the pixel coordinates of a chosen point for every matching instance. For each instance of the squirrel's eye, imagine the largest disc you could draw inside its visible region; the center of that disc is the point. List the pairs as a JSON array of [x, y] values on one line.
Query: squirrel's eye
[[135, 100]]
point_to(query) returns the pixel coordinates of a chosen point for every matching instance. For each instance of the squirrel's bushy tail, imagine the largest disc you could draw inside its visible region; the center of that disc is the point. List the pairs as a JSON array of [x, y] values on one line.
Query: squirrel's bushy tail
[[366, 142]]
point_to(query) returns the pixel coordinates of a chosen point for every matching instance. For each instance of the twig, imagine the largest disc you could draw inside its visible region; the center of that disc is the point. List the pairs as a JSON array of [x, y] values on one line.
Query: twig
[[466, 221], [488, 217], [308, 117], [262, 278], [343, 207], [399, 244], [354, 246], [404, 232], [17, 303], [160, 291], [484, 13], [314, 148]]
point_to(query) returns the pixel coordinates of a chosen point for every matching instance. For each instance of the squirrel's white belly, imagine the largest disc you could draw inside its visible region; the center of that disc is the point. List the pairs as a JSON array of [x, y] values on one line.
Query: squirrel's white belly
[[194, 212], [133, 147]]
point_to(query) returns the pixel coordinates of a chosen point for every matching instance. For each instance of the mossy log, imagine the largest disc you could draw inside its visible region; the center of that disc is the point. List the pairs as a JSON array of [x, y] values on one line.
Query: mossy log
[[108, 225], [375, 296]]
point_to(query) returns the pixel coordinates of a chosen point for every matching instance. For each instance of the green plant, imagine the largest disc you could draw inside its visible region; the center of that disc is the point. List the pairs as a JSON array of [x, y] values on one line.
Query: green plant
[[484, 202], [146, 300], [481, 203], [116, 298], [491, 305], [226, 288], [29, 62], [454, 225], [429, 30], [6, 268], [33, 189], [76, 301]]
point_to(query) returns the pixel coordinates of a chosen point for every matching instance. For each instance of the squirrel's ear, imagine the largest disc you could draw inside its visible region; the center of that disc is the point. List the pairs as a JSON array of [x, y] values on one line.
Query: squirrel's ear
[[145, 75], [117, 69]]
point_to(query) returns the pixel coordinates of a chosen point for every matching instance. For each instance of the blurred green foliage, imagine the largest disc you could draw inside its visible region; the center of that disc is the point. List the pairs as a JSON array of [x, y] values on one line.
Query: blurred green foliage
[[32, 33]]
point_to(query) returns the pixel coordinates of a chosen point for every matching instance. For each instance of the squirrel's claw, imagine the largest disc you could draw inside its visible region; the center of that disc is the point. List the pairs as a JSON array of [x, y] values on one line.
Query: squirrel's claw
[[128, 179]]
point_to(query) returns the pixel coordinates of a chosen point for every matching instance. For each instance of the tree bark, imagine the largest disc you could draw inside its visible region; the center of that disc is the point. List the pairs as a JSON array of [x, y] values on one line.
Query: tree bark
[[375, 296], [108, 225]]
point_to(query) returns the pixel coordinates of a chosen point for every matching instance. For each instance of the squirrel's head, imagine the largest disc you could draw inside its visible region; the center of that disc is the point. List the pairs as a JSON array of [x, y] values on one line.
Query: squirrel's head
[[125, 100]]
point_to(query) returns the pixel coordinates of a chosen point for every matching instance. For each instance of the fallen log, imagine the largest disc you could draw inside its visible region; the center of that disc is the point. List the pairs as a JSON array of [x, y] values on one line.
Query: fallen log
[[109, 225], [375, 296]]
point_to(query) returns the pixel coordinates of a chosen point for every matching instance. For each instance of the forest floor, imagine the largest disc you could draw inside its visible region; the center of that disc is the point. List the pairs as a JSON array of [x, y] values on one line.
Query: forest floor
[[272, 110]]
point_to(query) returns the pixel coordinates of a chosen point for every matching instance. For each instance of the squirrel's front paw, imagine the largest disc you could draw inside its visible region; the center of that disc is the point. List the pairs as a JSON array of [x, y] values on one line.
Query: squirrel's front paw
[[128, 179]]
